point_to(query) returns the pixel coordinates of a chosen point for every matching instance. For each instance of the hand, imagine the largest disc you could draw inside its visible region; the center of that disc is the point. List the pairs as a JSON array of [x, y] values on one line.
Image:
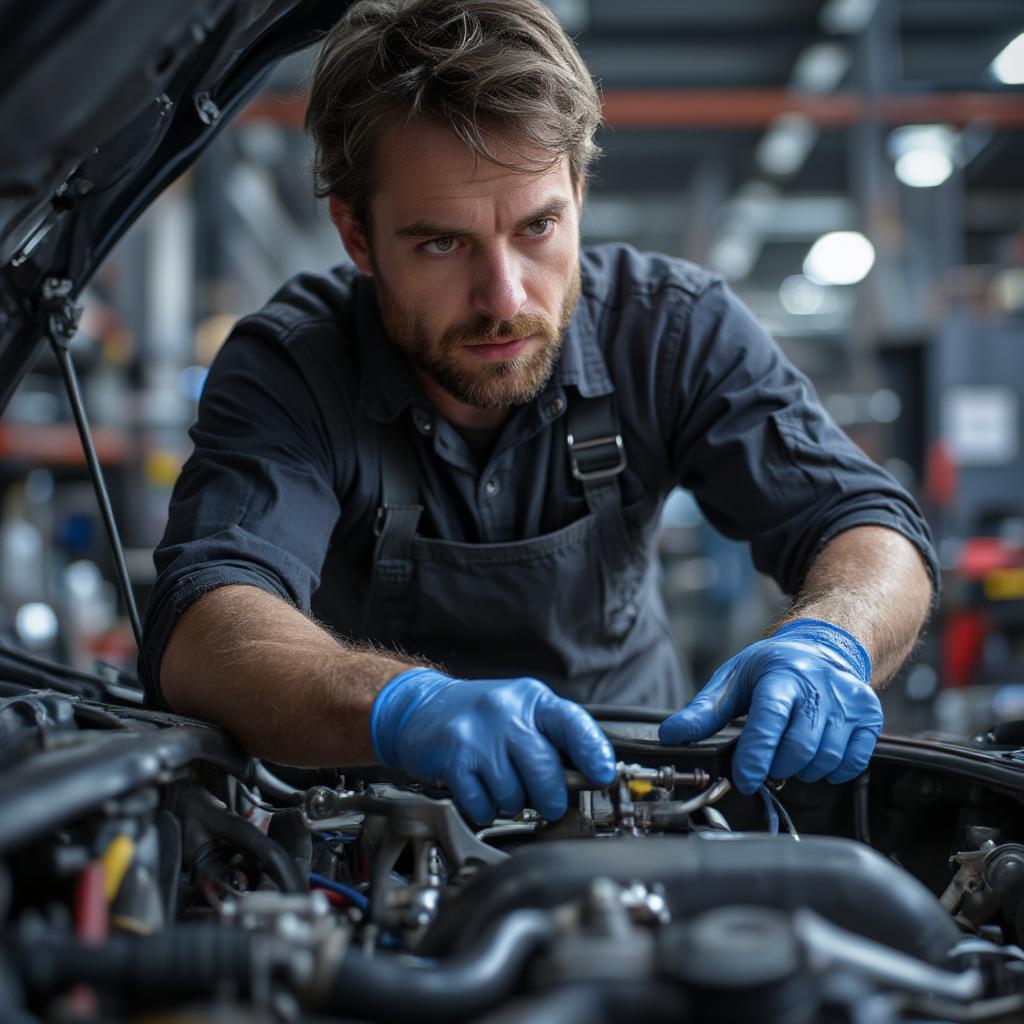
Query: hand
[[493, 742], [811, 712]]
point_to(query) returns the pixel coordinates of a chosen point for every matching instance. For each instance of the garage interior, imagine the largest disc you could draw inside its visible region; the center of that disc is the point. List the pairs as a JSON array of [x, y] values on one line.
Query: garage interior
[[852, 169], [738, 135]]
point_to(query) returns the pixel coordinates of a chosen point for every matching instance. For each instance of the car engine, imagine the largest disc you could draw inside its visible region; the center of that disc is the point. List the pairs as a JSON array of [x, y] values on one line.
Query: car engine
[[150, 868]]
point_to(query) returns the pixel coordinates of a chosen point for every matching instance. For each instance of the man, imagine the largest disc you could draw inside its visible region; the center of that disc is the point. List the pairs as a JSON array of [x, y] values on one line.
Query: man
[[454, 453]]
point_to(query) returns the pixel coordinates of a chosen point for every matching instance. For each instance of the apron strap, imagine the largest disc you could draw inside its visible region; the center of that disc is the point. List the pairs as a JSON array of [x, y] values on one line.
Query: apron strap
[[596, 453], [399, 514], [596, 458]]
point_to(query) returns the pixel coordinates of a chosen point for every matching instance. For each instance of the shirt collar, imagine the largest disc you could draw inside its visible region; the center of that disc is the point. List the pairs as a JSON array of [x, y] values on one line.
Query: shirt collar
[[388, 384]]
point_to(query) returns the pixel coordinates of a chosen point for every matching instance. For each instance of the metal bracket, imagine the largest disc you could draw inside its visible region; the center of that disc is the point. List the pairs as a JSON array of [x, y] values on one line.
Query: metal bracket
[[58, 311], [608, 450], [410, 816]]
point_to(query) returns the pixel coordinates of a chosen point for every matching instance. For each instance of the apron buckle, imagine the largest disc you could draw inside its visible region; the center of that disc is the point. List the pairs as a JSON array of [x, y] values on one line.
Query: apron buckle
[[598, 459]]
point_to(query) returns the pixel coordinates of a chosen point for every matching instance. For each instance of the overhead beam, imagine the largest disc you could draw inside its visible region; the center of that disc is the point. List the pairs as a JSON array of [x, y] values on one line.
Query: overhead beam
[[756, 108], [745, 108]]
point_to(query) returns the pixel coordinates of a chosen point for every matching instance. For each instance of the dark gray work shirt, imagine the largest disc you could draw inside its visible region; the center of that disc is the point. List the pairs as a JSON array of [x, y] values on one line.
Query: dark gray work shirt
[[286, 467]]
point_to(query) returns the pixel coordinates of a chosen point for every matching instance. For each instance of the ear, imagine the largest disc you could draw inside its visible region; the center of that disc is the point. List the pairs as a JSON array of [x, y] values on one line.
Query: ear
[[357, 245]]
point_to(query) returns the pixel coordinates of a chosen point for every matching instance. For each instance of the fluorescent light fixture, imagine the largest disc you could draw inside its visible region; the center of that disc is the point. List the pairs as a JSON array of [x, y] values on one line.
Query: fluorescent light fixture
[[884, 406], [36, 625], [801, 296], [783, 149], [820, 67], [574, 15], [923, 168], [839, 257], [1008, 66], [847, 17], [734, 256], [923, 154]]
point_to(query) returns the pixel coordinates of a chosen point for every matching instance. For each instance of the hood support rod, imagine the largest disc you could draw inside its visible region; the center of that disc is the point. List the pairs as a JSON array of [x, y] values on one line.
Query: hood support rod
[[60, 321]]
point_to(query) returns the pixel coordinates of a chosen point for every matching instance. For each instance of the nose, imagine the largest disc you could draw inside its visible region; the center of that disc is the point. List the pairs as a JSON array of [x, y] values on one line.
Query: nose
[[498, 291]]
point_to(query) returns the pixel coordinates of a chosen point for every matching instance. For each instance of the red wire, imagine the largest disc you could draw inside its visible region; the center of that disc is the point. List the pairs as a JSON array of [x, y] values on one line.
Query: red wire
[[92, 917], [92, 923]]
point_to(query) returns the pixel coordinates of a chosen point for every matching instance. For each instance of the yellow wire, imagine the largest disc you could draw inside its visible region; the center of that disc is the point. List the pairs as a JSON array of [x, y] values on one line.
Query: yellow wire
[[116, 861]]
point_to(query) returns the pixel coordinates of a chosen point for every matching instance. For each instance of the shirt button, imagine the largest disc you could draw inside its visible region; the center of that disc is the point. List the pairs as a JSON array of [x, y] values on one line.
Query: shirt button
[[424, 424], [554, 407], [492, 487]]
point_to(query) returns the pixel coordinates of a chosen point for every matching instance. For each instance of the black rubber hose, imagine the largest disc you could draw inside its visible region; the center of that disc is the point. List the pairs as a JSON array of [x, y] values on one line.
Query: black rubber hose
[[388, 989], [245, 836], [196, 960], [844, 881], [187, 961], [619, 1001], [573, 1004]]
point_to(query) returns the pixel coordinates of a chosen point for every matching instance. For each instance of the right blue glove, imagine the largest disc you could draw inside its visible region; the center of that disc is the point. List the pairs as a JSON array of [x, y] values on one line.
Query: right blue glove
[[493, 742]]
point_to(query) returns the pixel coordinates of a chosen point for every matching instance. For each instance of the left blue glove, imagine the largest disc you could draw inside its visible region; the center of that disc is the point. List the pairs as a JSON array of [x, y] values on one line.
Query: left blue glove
[[811, 712]]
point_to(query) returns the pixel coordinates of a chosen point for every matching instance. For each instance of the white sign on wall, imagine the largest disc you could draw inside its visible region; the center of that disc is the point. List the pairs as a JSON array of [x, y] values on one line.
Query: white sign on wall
[[981, 424]]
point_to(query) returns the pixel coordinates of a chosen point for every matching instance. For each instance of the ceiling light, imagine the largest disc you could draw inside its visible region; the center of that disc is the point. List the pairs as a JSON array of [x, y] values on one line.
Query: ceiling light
[[923, 154], [922, 169], [573, 14], [800, 296], [884, 406], [820, 67], [783, 149], [1008, 66], [36, 625], [734, 256], [839, 257], [847, 17]]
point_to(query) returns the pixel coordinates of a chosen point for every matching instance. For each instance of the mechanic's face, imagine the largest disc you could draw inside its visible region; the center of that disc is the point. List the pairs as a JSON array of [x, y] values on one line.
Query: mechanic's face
[[476, 266]]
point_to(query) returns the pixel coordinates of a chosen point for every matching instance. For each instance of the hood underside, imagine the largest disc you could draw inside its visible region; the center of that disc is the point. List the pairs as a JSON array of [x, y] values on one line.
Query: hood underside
[[104, 103]]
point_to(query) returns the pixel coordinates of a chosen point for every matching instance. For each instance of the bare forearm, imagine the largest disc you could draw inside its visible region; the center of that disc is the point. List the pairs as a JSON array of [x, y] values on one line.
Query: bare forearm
[[281, 685], [872, 582]]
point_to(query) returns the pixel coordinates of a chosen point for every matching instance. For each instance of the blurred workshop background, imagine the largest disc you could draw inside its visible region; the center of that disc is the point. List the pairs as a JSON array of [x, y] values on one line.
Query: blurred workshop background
[[854, 169]]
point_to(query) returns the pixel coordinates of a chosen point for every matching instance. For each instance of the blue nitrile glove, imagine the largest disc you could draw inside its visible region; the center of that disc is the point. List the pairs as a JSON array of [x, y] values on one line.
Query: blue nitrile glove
[[810, 711], [493, 742]]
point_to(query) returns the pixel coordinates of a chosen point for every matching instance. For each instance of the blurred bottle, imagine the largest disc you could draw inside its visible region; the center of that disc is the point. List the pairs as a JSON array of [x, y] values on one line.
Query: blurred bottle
[[90, 604]]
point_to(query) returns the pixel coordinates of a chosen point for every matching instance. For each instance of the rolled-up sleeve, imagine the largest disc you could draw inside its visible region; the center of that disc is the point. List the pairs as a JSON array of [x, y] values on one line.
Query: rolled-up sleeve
[[256, 502], [767, 464]]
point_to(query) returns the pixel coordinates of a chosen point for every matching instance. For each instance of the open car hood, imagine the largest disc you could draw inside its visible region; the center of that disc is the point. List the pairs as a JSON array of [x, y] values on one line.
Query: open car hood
[[104, 103]]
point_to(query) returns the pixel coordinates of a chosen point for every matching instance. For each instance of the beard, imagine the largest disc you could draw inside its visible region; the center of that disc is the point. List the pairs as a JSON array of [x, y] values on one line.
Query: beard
[[496, 385]]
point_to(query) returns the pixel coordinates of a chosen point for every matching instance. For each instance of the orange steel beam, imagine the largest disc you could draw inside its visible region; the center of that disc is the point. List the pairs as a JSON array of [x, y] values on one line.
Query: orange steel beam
[[723, 108], [755, 108], [745, 108], [57, 444]]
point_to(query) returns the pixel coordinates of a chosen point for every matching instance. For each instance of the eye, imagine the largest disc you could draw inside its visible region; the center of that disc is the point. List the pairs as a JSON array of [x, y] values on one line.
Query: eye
[[440, 246], [539, 228]]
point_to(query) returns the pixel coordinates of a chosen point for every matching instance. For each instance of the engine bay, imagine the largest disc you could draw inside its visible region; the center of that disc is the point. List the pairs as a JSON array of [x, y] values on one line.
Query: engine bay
[[151, 868]]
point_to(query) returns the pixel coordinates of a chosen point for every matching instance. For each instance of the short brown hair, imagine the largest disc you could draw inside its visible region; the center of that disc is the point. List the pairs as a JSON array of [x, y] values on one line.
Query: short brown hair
[[481, 68]]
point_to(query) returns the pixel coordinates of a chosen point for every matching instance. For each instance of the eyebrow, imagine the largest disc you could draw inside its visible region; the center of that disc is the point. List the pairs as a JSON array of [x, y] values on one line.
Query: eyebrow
[[435, 229]]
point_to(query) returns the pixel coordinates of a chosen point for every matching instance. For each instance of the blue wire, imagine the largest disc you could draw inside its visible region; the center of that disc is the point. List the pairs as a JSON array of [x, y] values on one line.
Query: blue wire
[[357, 898], [337, 837], [786, 819], [769, 807]]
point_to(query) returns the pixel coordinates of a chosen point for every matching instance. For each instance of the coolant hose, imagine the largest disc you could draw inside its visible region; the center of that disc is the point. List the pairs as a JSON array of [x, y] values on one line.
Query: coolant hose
[[238, 832], [387, 988], [191, 961], [186, 961]]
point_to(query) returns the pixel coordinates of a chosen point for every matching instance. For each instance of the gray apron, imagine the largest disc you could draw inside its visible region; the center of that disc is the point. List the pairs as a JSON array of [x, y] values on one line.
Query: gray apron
[[579, 608]]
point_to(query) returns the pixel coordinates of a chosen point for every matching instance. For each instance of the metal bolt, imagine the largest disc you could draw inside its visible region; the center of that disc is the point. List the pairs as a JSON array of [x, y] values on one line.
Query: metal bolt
[[208, 110]]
